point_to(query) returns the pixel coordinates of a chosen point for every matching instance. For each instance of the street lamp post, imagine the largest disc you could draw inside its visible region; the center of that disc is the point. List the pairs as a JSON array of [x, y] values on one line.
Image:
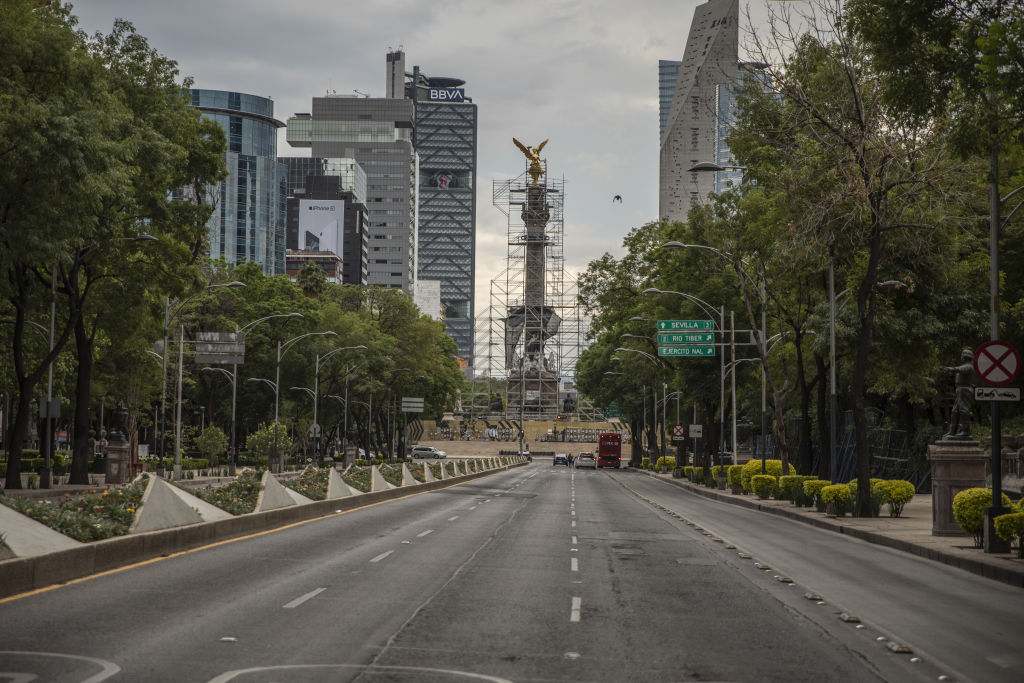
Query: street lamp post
[[760, 334], [316, 387], [168, 317], [720, 314], [282, 348]]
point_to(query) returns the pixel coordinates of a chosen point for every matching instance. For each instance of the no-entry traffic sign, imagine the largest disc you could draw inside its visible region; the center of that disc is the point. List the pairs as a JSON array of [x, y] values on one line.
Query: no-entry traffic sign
[[997, 363]]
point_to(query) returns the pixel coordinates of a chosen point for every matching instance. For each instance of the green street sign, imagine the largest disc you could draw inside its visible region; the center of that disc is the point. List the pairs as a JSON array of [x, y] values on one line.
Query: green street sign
[[687, 351], [613, 410], [686, 338], [686, 325]]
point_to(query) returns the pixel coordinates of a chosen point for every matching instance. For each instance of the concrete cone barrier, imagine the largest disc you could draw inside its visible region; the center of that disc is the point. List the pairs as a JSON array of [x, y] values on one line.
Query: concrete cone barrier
[[337, 488], [296, 496], [428, 474], [407, 478], [165, 506], [273, 495], [378, 482], [444, 470], [27, 538]]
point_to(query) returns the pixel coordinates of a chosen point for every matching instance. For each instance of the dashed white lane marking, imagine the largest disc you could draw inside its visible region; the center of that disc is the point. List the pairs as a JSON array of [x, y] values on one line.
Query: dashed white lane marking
[[574, 524], [573, 513], [424, 533], [303, 598], [574, 565], [473, 508], [452, 519], [574, 540], [574, 613], [382, 556]]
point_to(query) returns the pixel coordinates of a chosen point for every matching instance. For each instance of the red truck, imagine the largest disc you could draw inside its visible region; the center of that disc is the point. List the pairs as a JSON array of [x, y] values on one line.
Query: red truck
[[609, 450]]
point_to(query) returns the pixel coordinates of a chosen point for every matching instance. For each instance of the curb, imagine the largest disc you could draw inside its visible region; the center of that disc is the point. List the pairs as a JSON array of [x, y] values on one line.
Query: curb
[[1011, 575], [24, 574]]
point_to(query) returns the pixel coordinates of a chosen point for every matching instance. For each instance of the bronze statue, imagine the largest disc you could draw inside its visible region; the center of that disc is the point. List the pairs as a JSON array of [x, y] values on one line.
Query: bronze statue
[[533, 154], [960, 416]]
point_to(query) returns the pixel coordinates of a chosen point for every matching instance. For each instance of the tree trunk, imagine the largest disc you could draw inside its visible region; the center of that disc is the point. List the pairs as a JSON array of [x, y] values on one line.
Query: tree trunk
[[866, 309], [80, 455], [803, 462], [824, 429]]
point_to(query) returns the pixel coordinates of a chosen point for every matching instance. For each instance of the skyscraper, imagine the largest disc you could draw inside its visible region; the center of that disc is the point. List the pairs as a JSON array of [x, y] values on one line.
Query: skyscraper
[[445, 140], [668, 73], [701, 110], [377, 133], [248, 222]]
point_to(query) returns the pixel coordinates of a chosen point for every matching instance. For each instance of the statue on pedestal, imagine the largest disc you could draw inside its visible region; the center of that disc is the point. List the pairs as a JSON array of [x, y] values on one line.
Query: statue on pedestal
[[533, 155], [960, 416]]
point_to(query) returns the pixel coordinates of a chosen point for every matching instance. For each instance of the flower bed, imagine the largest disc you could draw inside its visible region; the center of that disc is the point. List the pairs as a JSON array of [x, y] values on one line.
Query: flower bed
[[358, 478], [86, 518], [312, 483], [237, 497]]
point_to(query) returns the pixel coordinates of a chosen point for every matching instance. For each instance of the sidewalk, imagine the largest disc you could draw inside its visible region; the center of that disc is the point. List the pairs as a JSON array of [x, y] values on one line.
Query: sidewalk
[[911, 532]]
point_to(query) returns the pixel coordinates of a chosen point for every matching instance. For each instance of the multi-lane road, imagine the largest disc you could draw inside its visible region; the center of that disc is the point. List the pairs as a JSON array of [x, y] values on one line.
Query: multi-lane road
[[534, 574]]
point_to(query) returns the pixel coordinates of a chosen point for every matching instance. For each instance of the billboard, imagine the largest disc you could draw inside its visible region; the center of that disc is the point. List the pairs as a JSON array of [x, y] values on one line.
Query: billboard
[[321, 225], [447, 94], [428, 298]]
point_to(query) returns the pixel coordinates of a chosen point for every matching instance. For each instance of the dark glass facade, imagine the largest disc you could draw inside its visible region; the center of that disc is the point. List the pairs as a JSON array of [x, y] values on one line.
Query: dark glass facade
[[248, 223], [445, 139]]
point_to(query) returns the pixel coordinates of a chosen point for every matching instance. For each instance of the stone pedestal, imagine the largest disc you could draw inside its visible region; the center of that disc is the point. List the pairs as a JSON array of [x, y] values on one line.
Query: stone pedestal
[[118, 461], [956, 466]]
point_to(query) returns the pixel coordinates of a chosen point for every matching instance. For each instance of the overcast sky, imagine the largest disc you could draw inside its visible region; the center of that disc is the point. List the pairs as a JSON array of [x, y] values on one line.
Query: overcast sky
[[583, 73]]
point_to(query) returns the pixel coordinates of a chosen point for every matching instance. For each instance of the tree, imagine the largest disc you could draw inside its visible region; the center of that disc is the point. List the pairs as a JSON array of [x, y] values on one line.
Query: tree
[[261, 442], [61, 136], [888, 174], [212, 443], [312, 280]]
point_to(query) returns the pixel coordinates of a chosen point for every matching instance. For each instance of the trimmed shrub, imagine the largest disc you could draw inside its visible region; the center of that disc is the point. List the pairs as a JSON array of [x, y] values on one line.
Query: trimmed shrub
[[735, 475], [812, 490], [896, 493], [752, 467], [688, 472], [1011, 528], [838, 495], [969, 511], [791, 487], [716, 472], [763, 485], [645, 464], [669, 463], [877, 495]]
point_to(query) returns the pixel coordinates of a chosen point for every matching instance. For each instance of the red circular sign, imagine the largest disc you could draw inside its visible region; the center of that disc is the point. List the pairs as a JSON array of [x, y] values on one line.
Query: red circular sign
[[997, 363]]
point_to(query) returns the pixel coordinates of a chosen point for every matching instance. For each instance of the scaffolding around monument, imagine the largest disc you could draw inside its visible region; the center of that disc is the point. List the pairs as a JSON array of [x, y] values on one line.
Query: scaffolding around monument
[[532, 332]]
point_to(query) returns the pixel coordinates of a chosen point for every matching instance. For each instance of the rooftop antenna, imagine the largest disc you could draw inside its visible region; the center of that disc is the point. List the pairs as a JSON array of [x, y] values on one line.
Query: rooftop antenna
[[358, 92]]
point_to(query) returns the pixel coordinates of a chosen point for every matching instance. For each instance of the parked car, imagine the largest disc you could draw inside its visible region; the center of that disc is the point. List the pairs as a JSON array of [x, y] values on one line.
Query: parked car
[[426, 452], [586, 460], [561, 459]]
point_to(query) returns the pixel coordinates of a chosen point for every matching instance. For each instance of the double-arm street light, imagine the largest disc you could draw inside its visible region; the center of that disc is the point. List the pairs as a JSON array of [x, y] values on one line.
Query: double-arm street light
[[168, 318], [316, 387], [760, 334], [233, 378], [717, 317], [656, 361]]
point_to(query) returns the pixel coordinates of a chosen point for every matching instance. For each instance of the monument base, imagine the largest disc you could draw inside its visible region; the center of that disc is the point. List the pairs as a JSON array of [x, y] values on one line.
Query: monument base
[[957, 465]]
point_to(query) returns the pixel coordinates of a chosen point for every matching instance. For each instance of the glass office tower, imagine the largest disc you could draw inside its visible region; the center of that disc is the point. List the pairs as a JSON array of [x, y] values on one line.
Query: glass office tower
[[248, 222]]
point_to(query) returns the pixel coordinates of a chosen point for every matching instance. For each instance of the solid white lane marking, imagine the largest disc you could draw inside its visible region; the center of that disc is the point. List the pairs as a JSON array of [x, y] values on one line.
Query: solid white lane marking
[[424, 533], [574, 565], [452, 519], [303, 598], [382, 556], [574, 613]]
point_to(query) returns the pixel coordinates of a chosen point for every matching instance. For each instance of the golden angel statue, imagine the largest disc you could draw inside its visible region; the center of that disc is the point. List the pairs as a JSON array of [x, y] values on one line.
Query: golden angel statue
[[533, 154]]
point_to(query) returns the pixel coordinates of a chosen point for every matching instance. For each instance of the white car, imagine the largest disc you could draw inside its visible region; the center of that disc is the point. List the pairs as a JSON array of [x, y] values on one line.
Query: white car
[[586, 460], [424, 452]]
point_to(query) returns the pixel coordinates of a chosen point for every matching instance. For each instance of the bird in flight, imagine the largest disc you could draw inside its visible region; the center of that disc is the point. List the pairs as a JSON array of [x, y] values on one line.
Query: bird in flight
[[617, 198]]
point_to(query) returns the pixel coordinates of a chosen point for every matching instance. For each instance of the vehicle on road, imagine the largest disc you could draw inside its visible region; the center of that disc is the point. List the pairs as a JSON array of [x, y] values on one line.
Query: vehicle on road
[[609, 450], [427, 452], [586, 460], [560, 459]]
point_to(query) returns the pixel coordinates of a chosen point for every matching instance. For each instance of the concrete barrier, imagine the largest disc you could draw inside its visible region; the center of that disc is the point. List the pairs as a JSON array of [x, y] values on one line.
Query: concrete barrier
[[22, 574]]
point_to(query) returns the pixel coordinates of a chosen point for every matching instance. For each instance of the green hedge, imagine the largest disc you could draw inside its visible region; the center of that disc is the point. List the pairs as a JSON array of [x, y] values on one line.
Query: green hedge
[[969, 511], [669, 463], [763, 485], [1011, 528], [735, 476], [752, 467]]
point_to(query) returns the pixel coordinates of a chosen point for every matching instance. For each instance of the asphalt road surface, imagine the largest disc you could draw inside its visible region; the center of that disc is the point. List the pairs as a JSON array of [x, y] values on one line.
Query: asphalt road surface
[[539, 573]]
